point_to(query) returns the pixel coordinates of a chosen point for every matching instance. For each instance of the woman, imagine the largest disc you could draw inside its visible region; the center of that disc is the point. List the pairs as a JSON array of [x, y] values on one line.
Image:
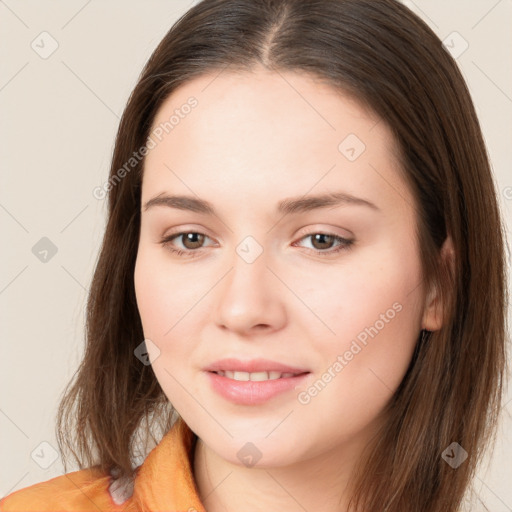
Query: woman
[[361, 375]]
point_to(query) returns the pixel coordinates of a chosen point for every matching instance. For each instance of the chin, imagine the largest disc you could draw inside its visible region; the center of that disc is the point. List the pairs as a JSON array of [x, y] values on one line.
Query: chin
[[255, 450]]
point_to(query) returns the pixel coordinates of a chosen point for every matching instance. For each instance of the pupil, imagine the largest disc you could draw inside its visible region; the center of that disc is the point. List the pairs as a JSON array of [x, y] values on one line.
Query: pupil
[[321, 237], [190, 239]]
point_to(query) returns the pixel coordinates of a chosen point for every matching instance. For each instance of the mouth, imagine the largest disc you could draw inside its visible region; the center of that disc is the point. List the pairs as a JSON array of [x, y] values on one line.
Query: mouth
[[256, 381], [260, 376]]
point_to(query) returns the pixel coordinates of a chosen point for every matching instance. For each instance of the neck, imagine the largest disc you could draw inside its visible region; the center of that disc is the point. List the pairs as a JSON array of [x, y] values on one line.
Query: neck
[[319, 483]]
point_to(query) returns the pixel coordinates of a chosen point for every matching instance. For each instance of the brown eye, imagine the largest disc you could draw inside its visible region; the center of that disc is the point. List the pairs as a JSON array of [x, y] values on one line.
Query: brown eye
[[322, 240], [185, 244], [192, 240], [322, 243]]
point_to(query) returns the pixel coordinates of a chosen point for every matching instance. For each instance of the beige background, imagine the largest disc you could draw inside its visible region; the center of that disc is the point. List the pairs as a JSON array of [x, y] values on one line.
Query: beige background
[[59, 118]]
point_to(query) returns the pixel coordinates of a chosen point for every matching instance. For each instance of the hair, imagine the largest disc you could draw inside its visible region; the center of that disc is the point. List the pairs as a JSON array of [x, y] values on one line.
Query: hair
[[384, 56]]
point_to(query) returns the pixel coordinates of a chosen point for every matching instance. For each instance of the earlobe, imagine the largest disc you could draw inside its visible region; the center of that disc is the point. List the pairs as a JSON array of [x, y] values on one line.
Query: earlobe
[[433, 316]]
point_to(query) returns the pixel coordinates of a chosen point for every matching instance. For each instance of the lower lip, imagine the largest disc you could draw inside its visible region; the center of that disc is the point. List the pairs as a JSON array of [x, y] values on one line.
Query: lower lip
[[252, 392]]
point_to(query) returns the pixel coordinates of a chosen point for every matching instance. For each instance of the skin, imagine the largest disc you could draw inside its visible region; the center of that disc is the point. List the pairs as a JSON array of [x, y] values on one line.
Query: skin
[[254, 139]]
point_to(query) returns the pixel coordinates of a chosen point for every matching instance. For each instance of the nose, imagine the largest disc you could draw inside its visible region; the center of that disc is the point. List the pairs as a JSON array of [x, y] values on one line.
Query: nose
[[251, 298]]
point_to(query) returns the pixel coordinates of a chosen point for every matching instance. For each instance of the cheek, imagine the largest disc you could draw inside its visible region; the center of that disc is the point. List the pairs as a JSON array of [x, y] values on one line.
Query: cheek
[[152, 296], [164, 295], [165, 321], [361, 371], [173, 306], [363, 294], [375, 311]]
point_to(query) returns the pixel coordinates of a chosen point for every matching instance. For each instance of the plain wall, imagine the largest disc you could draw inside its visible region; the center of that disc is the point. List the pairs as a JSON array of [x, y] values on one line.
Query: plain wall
[[60, 113]]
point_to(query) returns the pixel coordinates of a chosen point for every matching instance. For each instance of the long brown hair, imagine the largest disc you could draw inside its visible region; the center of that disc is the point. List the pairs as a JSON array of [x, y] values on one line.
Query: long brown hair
[[387, 58]]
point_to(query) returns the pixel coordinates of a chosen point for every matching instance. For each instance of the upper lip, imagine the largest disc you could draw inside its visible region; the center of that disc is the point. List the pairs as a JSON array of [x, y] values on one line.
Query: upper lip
[[252, 365]]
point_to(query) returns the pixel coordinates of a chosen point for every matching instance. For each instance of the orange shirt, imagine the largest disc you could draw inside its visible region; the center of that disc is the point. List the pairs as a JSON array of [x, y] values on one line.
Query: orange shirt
[[164, 482]]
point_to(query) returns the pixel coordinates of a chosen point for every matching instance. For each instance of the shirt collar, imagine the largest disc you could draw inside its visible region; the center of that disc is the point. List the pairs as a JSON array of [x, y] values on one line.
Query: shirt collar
[[165, 480]]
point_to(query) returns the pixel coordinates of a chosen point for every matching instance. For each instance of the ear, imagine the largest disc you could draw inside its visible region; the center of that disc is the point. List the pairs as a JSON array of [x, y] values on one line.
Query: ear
[[434, 309]]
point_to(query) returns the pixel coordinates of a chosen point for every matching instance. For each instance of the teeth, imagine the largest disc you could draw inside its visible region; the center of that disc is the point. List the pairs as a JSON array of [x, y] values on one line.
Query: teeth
[[259, 376], [254, 376]]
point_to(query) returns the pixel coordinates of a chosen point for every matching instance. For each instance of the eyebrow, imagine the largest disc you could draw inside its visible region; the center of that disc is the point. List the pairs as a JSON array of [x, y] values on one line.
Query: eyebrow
[[286, 206]]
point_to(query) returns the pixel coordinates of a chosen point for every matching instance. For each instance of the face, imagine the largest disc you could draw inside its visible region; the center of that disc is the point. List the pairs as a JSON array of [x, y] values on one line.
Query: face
[[327, 290]]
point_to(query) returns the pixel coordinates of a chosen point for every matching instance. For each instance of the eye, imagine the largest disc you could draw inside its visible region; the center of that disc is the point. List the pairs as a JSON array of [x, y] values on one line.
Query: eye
[[191, 240], [322, 241]]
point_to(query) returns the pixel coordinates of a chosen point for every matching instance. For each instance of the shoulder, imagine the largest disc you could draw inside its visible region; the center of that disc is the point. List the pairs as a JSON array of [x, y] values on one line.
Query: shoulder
[[80, 491]]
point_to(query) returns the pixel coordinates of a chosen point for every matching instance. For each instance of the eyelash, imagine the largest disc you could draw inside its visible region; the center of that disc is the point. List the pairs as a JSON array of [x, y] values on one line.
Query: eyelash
[[345, 244]]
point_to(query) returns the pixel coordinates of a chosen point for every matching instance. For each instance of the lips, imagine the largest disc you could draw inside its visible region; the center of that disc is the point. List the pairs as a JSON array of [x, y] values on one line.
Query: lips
[[253, 366], [253, 382], [255, 376]]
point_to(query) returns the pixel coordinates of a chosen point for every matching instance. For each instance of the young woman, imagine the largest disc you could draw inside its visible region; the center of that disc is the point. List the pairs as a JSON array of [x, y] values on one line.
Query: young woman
[[300, 297]]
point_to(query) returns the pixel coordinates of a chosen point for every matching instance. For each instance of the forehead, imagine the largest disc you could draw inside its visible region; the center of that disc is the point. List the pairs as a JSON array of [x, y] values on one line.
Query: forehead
[[264, 132], [262, 104]]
